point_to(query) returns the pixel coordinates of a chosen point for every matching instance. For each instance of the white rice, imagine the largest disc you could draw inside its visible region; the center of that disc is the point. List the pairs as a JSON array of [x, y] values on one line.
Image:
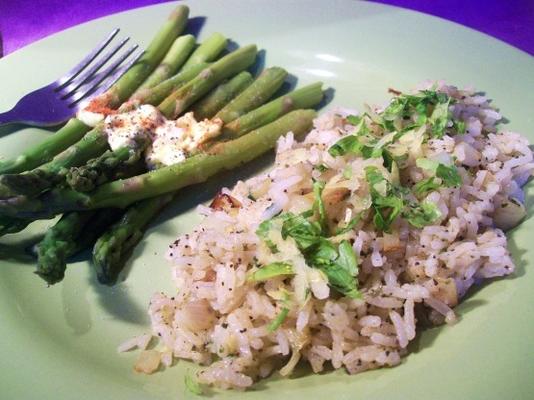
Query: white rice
[[218, 319]]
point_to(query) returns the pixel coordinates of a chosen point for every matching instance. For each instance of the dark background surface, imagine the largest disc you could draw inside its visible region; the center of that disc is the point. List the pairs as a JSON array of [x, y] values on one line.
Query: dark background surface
[[24, 21]]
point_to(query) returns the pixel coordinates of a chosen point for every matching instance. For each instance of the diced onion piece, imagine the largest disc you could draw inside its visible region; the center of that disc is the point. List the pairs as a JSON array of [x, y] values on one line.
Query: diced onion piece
[[391, 241], [196, 315], [148, 362], [509, 214]]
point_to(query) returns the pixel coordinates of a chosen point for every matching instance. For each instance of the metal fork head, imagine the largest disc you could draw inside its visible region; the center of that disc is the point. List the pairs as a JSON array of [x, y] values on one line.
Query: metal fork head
[[95, 73]]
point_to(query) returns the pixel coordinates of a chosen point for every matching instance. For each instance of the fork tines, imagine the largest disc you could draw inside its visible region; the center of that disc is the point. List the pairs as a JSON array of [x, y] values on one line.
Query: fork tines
[[89, 77]]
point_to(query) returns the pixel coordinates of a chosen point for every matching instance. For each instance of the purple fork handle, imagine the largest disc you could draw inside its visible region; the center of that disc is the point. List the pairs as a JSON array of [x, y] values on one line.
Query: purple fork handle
[[39, 107]]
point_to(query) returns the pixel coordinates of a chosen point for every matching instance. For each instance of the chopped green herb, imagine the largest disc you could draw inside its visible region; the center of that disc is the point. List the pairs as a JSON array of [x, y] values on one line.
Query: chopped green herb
[[449, 175], [352, 223], [346, 145], [318, 205], [272, 270], [396, 108], [266, 226], [365, 145], [353, 144], [347, 258], [424, 214], [385, 202], [275, 323], [416, 108], [307, 213], [426, 185], [426, 163], [440, 118], [338, 263], [323, 251], [322, 168], [192, 384], [263, 234], [304, 232], [459, 126], [347, 172], [394, 202], [388, 159], [354, 119], [341, 280]]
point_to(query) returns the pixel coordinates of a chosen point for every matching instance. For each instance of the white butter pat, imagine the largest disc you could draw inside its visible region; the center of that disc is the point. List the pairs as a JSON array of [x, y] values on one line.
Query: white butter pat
[[124, 129], [173, 141], [90, 118]]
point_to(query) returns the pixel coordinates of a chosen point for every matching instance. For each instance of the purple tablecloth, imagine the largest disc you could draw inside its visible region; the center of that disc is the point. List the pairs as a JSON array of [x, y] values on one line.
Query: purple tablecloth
[[24, 21]]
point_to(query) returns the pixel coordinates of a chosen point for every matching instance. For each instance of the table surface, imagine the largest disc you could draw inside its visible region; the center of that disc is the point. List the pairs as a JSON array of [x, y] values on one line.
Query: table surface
[[25, 21]]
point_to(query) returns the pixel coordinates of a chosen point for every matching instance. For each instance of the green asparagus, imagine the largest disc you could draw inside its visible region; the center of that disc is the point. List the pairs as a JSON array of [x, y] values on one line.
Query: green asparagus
[[74, 130], [197, 62], [178, 101], [174, 59], [105, 167], [212, 103], [74, 232], [158, 93], [198, 168], [57, 243], [102, 169], [113, 248], [269, 81], [306, 97], [208, 51], [44, 151], [32, 183], [150, 59]]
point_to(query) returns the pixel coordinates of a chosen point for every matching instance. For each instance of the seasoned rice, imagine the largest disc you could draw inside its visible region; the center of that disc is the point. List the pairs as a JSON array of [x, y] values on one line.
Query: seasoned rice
[[220, 319]]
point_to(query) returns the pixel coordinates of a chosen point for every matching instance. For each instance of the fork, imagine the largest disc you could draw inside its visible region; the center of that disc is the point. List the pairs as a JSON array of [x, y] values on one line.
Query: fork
[[57, 102]]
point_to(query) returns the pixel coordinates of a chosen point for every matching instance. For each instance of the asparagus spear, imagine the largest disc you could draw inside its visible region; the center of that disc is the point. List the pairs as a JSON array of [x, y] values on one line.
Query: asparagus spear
[[74, 130], [174, 59], [269, 81], [306, 97], [207, 51], [57, 242], [67, 237], [102, 169], [178, 101], [105, 167], [158, 93], [198, 168], [82, 180], [34, 182], [44, 151], [114, 247], [212, 103], [152, 56]]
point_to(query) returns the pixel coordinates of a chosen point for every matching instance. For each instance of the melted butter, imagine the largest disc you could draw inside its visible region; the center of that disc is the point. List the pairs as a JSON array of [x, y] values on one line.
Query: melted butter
[[123, 129], [171, 140], [90, 118]]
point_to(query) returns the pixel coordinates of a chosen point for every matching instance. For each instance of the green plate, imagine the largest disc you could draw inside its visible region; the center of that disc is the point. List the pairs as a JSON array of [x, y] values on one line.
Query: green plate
[[60, 342]]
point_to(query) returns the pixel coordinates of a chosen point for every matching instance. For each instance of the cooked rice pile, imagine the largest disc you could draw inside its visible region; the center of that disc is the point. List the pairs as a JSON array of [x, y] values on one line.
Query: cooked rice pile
[[407, 276]]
